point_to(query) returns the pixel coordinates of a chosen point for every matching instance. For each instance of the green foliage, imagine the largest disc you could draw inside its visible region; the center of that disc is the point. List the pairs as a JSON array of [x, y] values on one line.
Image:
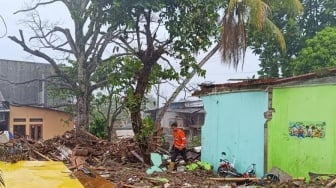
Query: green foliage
[[273, 62], [146, 131], [149, 34], [196, 141], [319, 54], [108, 104], [199, 165], [254, 18], [99, 127], [317, 15], [185, 27], [191, 22]]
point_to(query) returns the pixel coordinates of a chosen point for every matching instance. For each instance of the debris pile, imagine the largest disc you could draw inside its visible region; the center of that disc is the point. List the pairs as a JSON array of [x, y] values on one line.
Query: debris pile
[[120, 163], [61, 148]]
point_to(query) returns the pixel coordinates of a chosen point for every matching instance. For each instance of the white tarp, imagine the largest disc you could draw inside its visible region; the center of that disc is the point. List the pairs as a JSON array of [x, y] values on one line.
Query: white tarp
[[4, 137]]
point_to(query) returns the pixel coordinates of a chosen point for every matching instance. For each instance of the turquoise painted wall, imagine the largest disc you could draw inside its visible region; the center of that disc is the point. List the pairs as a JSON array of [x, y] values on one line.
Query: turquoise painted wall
[[298, 152], [234, 123]]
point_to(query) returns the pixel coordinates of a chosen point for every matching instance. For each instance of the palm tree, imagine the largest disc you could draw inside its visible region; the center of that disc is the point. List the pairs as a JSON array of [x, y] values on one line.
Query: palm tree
[[239, 16], [242, 15]]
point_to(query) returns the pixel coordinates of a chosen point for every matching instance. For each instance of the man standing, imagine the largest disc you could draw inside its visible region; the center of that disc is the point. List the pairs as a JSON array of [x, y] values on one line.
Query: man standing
[[179, 147]]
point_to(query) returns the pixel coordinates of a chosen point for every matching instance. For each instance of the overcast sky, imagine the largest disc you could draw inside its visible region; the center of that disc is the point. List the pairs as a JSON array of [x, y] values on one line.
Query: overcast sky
[[217, 72]]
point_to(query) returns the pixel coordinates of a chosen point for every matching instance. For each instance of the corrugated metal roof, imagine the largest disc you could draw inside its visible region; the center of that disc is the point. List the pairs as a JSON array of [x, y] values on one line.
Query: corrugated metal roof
[[260, 83], [187, 110]]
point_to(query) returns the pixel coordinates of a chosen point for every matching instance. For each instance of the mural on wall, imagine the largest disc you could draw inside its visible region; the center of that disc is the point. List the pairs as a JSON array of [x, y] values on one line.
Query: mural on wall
[[306, 129]]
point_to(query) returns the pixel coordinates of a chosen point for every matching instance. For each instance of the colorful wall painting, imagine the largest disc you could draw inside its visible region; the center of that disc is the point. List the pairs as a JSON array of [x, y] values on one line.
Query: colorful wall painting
[[306, 129], [310, 105]]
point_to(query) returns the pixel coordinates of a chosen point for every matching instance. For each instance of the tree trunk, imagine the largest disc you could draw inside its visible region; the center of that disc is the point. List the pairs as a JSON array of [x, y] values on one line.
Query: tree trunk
[[83, 95], [182, 85], [109, 133], [82, 113], [137, 125], [135, 107]]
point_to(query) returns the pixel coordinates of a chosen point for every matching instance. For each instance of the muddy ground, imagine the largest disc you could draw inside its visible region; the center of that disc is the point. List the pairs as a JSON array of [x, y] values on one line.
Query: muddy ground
[[119, 162]]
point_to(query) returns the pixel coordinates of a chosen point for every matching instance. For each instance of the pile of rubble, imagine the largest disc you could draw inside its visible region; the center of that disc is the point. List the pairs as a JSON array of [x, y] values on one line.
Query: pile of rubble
[[120, 164]]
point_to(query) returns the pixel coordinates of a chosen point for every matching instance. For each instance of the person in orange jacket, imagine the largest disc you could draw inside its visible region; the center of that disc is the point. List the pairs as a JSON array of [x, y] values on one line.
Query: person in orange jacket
[[180, 145]]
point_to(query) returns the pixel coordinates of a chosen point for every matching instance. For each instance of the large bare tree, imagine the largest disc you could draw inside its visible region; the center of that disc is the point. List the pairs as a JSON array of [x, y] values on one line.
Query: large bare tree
[[85, 44]]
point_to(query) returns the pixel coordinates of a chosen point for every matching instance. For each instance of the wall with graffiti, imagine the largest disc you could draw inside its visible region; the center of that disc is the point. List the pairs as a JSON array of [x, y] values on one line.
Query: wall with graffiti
[[301, 135], [308, 129]]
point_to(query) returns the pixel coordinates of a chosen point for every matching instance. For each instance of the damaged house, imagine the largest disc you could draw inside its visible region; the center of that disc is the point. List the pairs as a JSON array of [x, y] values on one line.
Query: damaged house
[[288, 123], [26, 106], [188, 114], [4, 114]]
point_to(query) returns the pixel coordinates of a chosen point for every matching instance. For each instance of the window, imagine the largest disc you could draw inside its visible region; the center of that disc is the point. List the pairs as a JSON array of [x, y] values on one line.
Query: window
[[36, 131], [19, 131], [2, 117], [19, 119], [35, 120]]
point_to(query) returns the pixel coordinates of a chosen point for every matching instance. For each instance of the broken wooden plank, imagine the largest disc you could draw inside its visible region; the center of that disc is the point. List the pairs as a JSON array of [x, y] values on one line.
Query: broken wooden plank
[[43, 156], [332, 183], [163, 150], [314, 175], [299, 179], [78, 151], [235, 179], [88, 134], [137, 156]]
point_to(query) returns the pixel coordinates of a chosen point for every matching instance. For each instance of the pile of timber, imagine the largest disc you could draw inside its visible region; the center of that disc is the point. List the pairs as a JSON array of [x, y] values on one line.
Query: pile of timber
[[69, 146]]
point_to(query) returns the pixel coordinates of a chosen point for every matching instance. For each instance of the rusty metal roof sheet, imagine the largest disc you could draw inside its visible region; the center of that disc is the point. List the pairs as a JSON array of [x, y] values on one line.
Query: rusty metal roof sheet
[[260, 83], [187, 110]]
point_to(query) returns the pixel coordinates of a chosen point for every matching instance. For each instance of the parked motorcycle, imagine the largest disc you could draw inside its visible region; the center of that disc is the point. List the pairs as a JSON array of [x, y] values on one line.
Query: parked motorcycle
[[227, 168]]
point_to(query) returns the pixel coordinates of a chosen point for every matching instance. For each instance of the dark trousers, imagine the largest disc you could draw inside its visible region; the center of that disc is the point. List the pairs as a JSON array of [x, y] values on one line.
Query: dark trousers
[[176, 152]]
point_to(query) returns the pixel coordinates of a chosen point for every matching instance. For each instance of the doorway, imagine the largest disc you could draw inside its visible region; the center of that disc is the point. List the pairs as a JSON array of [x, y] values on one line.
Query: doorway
[[19, 131], [36, 132]]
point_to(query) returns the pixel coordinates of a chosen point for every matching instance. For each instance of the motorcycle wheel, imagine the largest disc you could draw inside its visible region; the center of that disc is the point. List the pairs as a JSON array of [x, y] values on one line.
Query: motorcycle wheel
[[222, 171], [270, 178]]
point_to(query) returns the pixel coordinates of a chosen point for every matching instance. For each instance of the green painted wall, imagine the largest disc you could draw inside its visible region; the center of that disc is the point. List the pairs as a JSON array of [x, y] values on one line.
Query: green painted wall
[[298, 154]]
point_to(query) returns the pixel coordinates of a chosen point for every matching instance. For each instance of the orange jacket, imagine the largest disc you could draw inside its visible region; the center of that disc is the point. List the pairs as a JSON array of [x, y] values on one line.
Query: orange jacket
[[180, 140]]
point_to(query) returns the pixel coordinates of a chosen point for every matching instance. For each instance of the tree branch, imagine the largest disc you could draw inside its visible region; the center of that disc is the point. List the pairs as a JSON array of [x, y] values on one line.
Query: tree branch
[[37, 5], [182, 85], [99, 84], [42, 55], [50, 43], [69, 38], [128, 46], [5, 26]]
